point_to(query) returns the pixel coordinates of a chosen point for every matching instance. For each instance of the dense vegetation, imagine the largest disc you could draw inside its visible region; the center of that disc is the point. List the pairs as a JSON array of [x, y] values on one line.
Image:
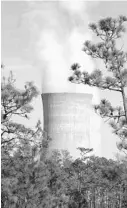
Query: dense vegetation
[[33, 179]]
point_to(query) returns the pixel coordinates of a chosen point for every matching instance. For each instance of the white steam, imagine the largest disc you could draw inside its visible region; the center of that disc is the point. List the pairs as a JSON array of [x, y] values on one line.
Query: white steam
[[62, 28]]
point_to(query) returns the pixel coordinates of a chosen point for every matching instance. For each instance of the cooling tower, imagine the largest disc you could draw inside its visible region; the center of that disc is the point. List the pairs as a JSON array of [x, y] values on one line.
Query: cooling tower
[[67, 120]]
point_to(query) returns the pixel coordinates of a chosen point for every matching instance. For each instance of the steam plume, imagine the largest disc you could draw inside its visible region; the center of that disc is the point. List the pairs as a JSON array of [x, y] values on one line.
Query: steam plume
[[62, 29]]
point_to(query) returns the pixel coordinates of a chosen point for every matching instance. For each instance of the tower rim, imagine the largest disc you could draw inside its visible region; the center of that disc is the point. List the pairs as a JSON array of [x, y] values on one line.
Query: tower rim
[[89, 95]]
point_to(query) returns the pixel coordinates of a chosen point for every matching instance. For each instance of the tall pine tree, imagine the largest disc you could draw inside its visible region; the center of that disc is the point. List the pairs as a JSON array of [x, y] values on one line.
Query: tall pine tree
[[109, 31]]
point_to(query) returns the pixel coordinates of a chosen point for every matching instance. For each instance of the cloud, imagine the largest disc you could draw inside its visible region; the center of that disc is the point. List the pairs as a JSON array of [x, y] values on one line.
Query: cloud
[[73, 6]]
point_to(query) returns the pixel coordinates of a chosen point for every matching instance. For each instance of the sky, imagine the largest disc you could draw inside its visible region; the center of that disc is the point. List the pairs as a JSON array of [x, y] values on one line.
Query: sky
[[42, 39]]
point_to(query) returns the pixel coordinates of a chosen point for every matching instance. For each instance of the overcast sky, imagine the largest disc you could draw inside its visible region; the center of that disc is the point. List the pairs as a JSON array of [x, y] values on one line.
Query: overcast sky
[[41, 40]]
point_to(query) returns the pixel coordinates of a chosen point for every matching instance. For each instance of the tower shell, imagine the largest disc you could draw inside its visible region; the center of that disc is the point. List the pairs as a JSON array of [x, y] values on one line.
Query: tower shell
[[67, 120]]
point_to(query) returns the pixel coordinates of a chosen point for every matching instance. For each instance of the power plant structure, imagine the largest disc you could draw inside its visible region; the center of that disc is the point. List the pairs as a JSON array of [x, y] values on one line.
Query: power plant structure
[[67, 120]]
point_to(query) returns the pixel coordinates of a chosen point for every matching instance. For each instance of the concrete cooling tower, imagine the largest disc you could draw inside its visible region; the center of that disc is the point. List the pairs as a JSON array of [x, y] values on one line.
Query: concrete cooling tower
[[67, 120]]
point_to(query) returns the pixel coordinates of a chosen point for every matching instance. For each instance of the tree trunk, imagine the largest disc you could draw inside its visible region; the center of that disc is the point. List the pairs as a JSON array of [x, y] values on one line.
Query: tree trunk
[[124, 102]]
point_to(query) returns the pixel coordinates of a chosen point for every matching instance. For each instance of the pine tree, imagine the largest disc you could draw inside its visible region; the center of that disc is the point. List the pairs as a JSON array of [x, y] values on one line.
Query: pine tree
[[15, 102], [19, 144], [109, 30]]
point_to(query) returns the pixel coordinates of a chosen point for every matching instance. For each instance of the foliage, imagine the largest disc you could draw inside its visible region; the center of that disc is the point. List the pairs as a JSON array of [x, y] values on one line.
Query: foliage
[[19, 144], [97, 183], [14, 103], [109, 30]]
